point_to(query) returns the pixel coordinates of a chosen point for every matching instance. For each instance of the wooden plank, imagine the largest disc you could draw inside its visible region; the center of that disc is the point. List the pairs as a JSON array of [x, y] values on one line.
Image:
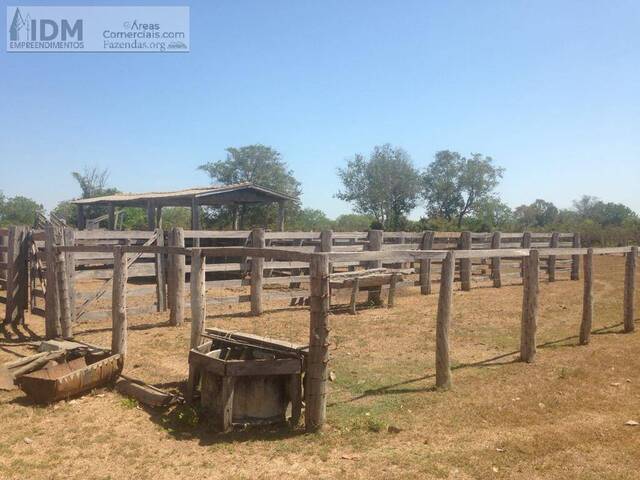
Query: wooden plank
[[176, 316], [109, 234], [198, 299], [119, 303]]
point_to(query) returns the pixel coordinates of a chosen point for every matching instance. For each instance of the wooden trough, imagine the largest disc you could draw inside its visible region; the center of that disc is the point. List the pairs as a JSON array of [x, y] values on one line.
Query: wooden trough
[[77, 372], [245, 379]]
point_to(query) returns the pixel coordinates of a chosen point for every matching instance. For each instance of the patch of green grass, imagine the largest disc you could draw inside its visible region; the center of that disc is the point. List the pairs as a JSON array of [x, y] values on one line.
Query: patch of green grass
[[128, 402]]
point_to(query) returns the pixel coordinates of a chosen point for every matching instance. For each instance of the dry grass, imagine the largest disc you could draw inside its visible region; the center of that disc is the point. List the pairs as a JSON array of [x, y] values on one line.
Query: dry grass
[[561, 417]]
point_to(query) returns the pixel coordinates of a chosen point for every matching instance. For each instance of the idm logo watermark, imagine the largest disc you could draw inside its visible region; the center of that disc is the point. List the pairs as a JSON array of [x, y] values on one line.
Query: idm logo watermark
[[97, 29], [32, 32]]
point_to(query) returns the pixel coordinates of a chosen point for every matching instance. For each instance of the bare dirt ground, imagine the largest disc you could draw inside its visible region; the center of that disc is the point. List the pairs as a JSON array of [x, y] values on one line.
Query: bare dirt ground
[[560, 417]]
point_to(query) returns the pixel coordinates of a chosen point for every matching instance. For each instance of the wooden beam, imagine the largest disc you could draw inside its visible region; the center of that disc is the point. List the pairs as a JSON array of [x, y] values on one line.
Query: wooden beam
[[281, 216], [551, 259], [151, 216], [159, 264], [64, 297], [575, 259], [82, 220], [376, 239], [52, 301], [496, 262], [112, 217]]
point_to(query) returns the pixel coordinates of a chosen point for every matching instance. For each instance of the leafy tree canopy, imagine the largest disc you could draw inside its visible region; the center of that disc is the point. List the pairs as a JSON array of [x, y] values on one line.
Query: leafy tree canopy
[[453, 185], [18, 210], [385, 186], [261, 165]]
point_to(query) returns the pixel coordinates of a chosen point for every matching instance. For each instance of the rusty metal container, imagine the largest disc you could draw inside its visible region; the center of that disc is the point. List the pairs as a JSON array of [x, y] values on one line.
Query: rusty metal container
[[71, 377]]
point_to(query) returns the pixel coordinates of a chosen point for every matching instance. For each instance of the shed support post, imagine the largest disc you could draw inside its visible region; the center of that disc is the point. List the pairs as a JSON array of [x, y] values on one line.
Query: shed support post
[[112, 217], [318, 363], [82, 220], [281, 212]]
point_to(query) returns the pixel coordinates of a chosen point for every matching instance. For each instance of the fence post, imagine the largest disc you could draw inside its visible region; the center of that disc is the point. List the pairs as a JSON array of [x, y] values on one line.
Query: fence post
[[551, 259], [575, 259], [176, 316], [119, 302], [198, 296], [375, 238], [318, 363], [587, 299], [257, 272], [64, 296], [465, 263], [425, 263], [496, 262], [52, 301], [445, 300], [161, 295], [526, 243], [629, 289], [69, 236], [17, 275], [530, 308]]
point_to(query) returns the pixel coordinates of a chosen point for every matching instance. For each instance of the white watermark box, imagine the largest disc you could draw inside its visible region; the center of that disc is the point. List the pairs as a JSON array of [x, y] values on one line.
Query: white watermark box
[[97, 29]]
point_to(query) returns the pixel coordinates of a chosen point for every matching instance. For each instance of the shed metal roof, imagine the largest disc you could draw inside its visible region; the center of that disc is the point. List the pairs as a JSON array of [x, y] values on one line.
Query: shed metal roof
[[205, 196]]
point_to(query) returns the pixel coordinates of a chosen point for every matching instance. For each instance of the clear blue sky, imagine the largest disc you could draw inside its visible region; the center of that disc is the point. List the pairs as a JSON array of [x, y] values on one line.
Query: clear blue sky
[[550, 89]]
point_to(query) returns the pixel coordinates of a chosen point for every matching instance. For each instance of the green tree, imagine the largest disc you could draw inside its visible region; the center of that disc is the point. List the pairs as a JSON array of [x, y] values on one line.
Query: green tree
[[309, 220], [352, 222], [258, 164], [385, 186], [539, 214], [490, 214], [93, 183], [18, 210], [453, 185]]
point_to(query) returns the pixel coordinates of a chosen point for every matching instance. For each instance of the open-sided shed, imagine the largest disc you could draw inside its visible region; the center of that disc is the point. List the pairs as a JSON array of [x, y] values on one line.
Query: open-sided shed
[[235, 195]]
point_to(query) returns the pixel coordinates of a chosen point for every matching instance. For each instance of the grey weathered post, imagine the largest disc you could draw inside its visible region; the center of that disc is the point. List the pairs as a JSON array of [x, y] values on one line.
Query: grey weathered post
[[281, 216], [465, 263], [530, 308], [375, 238], [119, 302], [52, 301], [575, 259], [318, 362], [551, 259], [257, 272], [17, 275], [64, 296], [161, 291], [425, 263], [176, 316], [587, 299], [496, 263], [526, 243], [629, 289], [69, 236], [198, 296], [445, 301]]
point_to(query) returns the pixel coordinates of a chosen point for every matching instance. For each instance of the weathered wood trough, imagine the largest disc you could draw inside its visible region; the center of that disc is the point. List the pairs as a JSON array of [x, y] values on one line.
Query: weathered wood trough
[[245, 379]]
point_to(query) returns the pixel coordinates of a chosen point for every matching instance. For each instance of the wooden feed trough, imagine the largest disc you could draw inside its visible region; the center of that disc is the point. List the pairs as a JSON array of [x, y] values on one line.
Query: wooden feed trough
[[371, 280], [77, 372], [246, 379]]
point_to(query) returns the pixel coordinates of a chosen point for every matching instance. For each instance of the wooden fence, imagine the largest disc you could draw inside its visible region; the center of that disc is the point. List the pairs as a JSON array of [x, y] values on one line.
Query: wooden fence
[[319, 266], [238, 279]]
